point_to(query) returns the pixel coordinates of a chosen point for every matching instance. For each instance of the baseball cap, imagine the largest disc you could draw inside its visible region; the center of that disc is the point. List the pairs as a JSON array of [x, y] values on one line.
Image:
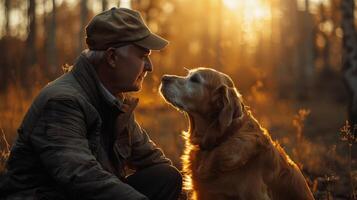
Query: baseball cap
[[119, 27]]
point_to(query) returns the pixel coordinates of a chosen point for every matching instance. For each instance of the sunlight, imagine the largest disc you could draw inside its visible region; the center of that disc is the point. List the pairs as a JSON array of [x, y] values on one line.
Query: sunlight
[[256, 11], [254, 16], [125, 4], [231, 4], [252, 10], [313, 4]]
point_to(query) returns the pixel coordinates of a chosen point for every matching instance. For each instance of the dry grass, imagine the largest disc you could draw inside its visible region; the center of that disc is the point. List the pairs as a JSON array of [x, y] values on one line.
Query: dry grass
[[4, 152], [348, 134], [13, 106]]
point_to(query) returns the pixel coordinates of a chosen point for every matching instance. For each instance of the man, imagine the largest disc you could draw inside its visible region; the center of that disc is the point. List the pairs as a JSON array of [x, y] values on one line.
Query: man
[[79, 134]]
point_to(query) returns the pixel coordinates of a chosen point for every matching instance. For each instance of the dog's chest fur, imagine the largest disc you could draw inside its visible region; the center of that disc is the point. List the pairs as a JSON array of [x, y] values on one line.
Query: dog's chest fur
[[225, 183]]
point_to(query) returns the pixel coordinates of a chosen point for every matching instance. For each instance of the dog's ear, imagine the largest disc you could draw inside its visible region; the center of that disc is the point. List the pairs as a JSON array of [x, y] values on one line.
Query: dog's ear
[[226, 101], [228, 105]]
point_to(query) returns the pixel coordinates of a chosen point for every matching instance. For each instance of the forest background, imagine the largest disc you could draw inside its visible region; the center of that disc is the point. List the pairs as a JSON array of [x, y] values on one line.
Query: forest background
[[285, 56]]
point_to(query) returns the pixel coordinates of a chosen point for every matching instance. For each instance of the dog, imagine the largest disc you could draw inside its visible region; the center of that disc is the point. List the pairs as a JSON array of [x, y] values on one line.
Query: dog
[[228, 154]]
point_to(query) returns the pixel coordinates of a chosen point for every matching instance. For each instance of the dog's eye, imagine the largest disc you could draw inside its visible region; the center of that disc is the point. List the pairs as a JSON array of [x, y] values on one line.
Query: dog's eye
[[194, 79]]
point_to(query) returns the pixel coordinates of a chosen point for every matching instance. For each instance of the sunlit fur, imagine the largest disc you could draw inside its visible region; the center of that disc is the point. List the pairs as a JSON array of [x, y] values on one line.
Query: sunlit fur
[[247, 163], [186, 165]]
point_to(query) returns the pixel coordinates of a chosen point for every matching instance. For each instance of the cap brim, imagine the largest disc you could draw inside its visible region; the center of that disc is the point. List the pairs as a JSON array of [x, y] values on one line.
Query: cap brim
[[152, 42]]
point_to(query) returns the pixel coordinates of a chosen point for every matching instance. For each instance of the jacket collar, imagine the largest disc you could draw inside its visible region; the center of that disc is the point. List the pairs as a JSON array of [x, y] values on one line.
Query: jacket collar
[[87, 77]]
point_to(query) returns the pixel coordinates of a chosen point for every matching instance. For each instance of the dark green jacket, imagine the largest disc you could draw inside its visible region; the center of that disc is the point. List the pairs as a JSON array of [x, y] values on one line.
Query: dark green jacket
[[67, 146]]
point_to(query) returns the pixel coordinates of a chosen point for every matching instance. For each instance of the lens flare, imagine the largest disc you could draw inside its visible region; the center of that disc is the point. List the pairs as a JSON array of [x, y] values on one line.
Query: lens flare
[[253, 16]]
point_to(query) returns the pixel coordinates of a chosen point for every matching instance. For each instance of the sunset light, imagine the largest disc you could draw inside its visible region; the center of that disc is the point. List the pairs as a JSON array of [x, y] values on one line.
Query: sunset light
[[253, 17], [270, 90], [231, 4], [252, 10]]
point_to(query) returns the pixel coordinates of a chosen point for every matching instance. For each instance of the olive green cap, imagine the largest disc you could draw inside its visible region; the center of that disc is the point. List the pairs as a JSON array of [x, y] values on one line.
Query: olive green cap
[[119, 27]]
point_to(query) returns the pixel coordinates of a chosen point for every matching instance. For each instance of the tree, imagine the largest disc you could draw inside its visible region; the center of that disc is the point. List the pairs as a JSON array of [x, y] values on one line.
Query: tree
[[51, 48], [104, 5], [218, 49], [349, 57], [83, 18], [7, 16], [30, 57], [288, 55], [305, 61]]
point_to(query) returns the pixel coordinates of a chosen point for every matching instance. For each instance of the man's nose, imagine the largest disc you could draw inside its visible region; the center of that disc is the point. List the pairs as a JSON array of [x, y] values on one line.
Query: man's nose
[[148, 65]]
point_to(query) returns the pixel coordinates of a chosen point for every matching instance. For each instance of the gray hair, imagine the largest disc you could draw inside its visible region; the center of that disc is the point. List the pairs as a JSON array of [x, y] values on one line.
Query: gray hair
[[96, 57]]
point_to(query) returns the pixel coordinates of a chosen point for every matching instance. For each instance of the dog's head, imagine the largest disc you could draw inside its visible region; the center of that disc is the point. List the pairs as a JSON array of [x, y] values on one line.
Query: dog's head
[[207, 95]]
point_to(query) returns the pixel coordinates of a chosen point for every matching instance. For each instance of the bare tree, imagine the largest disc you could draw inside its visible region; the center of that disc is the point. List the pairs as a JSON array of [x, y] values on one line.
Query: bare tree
[[50, 41], [218, 48], [288, 54], [83, 18], [30, 57], [326, 68], [349, 57], [104, 5], [206, 39], [7, 16], [305, 61]]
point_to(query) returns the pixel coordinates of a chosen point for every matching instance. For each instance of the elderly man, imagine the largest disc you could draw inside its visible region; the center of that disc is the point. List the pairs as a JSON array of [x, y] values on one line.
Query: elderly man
[[79, 135]]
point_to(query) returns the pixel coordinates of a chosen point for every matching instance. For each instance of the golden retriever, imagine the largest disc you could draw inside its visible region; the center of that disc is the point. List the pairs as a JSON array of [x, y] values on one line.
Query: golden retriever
[[228, 154]]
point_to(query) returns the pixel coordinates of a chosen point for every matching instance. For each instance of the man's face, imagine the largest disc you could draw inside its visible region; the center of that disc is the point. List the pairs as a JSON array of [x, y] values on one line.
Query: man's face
[[130, 65]]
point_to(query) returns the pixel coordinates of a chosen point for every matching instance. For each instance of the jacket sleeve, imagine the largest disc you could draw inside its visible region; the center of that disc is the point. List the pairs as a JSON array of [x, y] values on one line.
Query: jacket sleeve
[[59, 138], [144, 152]]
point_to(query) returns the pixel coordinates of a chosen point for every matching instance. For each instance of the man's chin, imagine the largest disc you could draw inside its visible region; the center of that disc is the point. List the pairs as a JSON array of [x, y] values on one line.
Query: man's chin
[[139, 84]]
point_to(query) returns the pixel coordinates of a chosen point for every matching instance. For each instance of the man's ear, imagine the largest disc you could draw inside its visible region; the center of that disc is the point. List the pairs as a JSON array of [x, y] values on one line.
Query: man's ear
[[110, 57]]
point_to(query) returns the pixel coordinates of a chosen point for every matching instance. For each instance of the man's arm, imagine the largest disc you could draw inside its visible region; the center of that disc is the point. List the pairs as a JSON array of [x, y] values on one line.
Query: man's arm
[[59, 138]]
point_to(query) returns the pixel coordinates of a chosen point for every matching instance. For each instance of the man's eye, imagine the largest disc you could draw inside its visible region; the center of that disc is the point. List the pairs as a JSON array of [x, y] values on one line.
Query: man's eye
[[194, 79]]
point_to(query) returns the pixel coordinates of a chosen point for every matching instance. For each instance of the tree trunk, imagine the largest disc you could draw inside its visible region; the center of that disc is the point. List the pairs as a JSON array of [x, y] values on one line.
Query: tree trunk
[[30, 58], [206, 42], [7, 16], [305, 59], [286, 68], [51, 53], [219, 19], [104, 5], [326, 67], [83, 18], [349, 57]]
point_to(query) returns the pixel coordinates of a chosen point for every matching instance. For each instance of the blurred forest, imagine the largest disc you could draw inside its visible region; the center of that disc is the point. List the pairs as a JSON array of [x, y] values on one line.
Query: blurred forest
[[294, 61]]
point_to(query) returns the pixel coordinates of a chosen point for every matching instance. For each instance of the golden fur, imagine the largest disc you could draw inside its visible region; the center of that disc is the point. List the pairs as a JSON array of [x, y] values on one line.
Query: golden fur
[[228, 155]]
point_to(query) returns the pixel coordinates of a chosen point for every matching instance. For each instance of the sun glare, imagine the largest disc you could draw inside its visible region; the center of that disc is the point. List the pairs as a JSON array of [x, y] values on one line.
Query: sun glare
[[255, 9], [254, 16], [231, 4]]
